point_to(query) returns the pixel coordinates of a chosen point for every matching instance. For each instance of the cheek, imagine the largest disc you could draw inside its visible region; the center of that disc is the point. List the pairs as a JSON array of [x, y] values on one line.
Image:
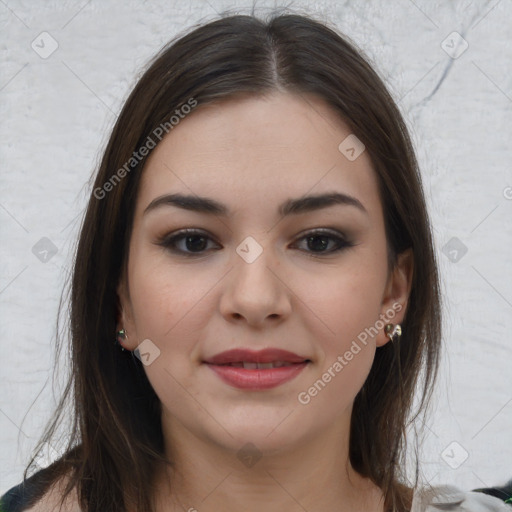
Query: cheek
[[164, 297], [343, 303], [346, 354], [171, 308], [167, 310], [346, 309]]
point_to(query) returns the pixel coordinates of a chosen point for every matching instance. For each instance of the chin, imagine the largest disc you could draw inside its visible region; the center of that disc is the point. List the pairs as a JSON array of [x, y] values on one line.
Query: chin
[[268, 433]]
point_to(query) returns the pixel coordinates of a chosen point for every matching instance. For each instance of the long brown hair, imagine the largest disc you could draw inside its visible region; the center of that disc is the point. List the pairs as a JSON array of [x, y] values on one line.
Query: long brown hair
[[116, 442]]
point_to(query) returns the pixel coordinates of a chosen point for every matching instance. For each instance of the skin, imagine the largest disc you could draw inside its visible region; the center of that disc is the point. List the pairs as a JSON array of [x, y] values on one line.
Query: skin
[[252, 154]]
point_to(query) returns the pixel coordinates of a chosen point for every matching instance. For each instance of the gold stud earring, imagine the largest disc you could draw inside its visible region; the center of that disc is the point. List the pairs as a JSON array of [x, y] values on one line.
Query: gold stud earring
[[393, 332]]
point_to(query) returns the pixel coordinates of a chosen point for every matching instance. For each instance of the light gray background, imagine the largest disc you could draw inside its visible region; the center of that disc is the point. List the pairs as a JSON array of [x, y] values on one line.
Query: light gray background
[[56, 114]]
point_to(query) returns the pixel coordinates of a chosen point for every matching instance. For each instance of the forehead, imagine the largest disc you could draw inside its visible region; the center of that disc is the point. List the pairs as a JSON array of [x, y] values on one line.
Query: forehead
[[259, 149]]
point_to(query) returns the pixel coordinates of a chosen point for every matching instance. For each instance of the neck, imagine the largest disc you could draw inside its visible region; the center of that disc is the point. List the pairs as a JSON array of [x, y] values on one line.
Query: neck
[[314, 476]]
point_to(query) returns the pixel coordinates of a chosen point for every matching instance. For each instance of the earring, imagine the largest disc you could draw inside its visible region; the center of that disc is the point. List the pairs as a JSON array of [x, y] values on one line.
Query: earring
[[121, 336], [393, 332]]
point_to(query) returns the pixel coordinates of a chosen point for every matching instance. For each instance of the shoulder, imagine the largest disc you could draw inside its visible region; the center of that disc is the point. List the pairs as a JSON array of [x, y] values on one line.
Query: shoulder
[[32, 496], [448, 497]]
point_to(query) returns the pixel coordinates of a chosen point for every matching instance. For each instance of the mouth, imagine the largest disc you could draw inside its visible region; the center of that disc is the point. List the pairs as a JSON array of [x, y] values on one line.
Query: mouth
[[249, 370]]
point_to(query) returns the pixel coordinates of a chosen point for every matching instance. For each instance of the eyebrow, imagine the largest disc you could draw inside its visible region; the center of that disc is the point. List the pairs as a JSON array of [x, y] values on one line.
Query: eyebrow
[[289, 207]]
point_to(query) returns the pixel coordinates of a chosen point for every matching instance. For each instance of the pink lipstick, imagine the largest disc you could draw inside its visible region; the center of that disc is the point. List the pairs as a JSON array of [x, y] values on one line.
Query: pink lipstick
[[256, 370]]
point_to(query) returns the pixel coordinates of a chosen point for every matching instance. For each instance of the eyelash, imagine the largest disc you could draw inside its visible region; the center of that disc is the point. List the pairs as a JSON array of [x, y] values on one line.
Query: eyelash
[[169, 241]]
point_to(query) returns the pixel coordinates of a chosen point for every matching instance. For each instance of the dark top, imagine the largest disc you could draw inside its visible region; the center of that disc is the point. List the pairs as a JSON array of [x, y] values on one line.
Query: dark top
[[23, 496]]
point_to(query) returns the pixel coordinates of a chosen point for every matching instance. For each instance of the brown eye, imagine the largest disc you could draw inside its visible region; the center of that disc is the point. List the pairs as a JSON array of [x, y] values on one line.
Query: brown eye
[[191, 242], [319, 241], [186, 242]]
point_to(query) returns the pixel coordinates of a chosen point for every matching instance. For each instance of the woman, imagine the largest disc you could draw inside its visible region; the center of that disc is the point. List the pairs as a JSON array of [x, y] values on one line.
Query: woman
[[257, 244]]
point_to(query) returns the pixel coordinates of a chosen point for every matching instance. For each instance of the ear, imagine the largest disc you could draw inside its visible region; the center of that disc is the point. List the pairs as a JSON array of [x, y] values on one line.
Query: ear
[[396, 294], [125, 316]]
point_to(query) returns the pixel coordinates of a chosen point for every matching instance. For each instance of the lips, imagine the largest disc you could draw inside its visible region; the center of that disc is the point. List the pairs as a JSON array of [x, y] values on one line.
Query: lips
[[262, 358], [253, 371]]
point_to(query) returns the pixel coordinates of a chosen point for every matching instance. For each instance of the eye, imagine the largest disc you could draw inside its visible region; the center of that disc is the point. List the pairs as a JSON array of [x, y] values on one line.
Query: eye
[[193, 242], [318, 241]]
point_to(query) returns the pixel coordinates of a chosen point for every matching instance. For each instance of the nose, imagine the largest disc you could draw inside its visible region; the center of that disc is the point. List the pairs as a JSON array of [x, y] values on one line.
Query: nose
[[254, 291]]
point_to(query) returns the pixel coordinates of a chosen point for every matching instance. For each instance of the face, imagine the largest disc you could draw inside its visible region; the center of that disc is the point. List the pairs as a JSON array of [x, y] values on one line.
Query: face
[[254, 274]]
